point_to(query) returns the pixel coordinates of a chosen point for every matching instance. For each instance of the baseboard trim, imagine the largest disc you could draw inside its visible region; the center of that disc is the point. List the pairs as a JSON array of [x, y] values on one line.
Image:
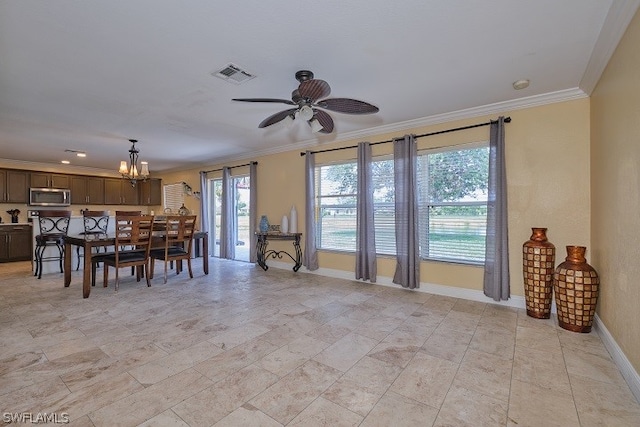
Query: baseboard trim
[[618, 356], [516, 301]]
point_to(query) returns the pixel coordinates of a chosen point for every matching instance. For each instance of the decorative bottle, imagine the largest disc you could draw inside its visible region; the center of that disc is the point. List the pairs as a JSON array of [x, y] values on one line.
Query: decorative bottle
[[576, 285], [264, 224], [538, 262], [284, 225], [293, 220]]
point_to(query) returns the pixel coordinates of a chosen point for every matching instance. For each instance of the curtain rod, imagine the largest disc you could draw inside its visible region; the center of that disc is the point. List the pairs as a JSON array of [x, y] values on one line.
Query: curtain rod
[[477, 125], [231, 167]]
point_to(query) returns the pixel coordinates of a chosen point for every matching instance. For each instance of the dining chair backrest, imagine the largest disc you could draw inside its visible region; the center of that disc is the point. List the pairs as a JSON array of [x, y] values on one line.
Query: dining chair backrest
[[134, 231], [95, 222], [179, 229], [54, 222]]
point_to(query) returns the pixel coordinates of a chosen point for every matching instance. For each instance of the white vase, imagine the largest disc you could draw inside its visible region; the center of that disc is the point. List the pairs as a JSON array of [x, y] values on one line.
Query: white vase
[[284, 225], [293, 223]]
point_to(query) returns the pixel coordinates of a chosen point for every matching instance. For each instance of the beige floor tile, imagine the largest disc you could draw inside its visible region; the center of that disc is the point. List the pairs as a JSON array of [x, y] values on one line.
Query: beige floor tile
[[322, 412], [538, 339], [448, 344], [396, 410], [291, 356], [485, 373], [545, 370], [143, 405], [284, 400], [346, 352], [242, 346], [604, 404], [166, 419], [463, 407], [162, 368], [247, 415], [532, 405], [593, 366], [495, 341], [212, 404], [426, 379]]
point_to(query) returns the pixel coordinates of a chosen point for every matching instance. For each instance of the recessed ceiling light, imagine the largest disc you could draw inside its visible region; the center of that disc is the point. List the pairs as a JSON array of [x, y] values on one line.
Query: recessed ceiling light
[[521, 84], [80, 154], [66, 162]]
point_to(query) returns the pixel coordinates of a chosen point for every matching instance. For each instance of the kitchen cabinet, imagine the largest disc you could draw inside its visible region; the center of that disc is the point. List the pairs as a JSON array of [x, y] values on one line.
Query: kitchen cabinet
[[119, 191], [15, 243], [87, 190], [150, 192], [50, 180], [13, 186]]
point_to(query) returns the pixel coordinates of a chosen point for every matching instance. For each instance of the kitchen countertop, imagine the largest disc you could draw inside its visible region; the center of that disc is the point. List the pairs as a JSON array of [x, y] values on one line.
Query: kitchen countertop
[[14, 223]]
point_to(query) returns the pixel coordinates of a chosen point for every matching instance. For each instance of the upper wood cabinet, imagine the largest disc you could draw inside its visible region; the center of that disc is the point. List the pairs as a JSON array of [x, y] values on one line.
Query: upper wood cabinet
[[13, 186], [87, 190], [50, 180], [118, 191], [150, 192]]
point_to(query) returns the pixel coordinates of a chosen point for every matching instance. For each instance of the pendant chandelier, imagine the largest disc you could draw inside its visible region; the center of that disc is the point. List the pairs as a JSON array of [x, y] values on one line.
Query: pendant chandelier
[[130, 170]]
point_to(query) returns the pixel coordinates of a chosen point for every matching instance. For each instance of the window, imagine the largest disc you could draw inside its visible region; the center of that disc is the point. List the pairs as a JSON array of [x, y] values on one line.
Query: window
[[336, 206], [336, 202], [453, 203], [173, 196]]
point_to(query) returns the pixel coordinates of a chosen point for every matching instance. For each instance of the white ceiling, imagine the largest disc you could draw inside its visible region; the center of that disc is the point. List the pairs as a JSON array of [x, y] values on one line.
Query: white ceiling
[[89, 75]]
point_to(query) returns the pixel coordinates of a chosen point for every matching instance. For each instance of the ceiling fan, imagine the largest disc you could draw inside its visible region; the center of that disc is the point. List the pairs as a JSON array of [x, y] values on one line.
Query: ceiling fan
[[310, 99]]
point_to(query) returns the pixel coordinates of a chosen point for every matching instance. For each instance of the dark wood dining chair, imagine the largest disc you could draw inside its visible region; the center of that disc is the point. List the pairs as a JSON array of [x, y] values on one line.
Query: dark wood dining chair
[[54, 225], [95, 223], [133, 237], [177, 231]]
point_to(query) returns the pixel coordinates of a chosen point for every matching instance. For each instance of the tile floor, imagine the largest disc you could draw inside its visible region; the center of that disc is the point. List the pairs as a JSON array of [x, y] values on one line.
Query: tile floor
[[244, 347]]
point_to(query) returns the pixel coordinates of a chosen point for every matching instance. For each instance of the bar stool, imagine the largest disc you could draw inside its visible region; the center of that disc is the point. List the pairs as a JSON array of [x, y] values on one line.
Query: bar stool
[[53, 228], [95, 223]]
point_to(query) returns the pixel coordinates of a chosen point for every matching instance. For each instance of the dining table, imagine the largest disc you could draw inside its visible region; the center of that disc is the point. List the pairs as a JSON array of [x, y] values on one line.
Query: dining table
[[90, 241]]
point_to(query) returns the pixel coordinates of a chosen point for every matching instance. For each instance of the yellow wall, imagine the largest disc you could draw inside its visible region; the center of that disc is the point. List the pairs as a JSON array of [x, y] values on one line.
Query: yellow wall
[[548, 179], [615, 181]]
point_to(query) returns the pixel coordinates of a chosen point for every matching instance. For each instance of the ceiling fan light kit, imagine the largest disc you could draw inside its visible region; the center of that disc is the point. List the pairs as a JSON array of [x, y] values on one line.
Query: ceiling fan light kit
[[310, 100]]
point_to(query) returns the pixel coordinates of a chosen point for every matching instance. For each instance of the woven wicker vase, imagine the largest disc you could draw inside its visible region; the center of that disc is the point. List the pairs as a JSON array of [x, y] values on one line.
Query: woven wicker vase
[[538, 262], [576, 285]]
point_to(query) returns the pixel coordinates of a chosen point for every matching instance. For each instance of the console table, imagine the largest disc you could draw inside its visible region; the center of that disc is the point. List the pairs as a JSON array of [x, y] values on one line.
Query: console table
[[262, 254]]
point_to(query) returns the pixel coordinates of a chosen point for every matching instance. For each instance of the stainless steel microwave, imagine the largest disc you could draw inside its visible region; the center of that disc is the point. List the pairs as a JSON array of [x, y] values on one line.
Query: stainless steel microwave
[[49, 197]]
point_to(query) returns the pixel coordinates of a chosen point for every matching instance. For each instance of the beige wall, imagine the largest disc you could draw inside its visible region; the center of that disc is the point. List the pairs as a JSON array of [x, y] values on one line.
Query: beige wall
[[615, 181], [548, 175]]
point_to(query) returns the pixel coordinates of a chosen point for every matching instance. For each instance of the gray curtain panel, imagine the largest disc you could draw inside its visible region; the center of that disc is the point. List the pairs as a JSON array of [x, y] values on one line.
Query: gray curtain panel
[[405, 155], [227, 220], [253, 209], [310, 255], [366, 267], [496, 263], [204, 208]]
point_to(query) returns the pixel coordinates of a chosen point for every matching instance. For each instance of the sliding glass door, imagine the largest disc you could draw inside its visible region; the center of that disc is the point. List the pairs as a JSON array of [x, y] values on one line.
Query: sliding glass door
[[240, 233]]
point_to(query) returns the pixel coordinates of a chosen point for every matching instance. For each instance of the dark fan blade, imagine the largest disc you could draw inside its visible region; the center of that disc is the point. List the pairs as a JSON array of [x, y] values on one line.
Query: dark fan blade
[[276, 117], [280, 101], [314, 89], [325, 120], [347, 106]]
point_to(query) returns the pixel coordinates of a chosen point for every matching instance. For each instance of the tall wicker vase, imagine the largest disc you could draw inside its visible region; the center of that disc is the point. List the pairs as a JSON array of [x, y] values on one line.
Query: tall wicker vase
[[538, 262], [576, 285]]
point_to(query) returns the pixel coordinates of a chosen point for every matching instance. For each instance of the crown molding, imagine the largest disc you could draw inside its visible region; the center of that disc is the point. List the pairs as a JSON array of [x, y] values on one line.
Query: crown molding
[[400, 127], [615, 25]]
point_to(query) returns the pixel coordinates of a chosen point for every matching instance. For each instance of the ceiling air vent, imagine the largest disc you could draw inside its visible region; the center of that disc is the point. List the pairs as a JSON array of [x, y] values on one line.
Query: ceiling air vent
[[233, 74]]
